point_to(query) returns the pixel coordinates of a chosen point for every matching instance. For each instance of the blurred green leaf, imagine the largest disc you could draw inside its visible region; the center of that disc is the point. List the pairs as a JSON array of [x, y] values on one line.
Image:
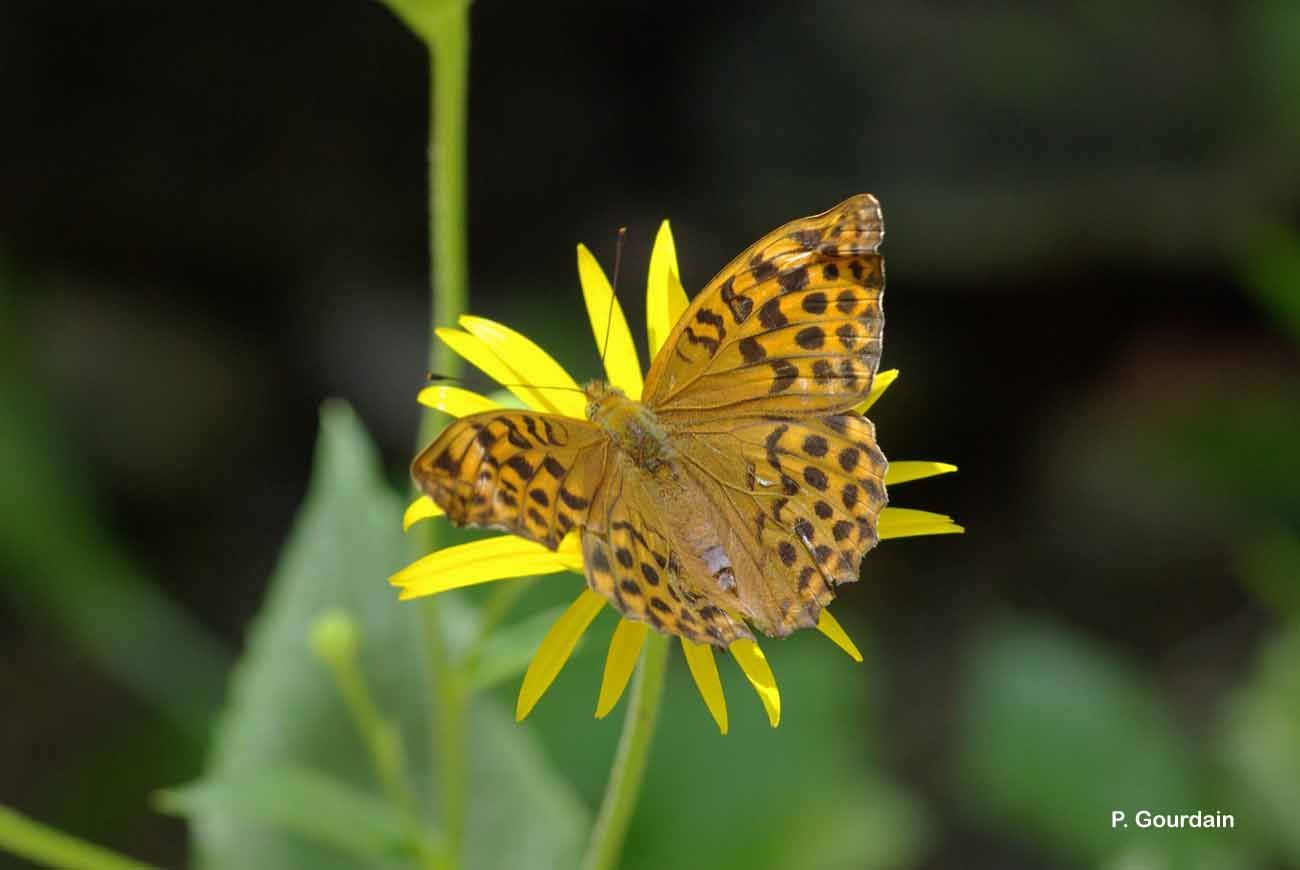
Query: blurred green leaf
[[508, 650], [869, 822], [1262, 744], [66, 570], [1056, 733], [1269, 565], [1270, 270], [307, 802], [284, 708]]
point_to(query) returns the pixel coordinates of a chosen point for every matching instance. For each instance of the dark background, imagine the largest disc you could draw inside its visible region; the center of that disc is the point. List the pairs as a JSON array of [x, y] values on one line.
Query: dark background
[[212, 217]]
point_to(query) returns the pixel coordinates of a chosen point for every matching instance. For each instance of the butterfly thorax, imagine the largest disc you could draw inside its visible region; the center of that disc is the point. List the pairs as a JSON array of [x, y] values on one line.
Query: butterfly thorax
[[630, 425]]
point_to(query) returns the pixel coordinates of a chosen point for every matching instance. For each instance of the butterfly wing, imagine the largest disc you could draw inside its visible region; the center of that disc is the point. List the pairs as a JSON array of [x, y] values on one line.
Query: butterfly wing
[[630, 561], [792, 327], [526, 473], [799, 499]]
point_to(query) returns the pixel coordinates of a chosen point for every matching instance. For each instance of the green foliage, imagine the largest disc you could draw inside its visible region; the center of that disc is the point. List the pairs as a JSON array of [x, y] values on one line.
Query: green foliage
[[506, 652], [286, 725], [1056, 734], [307, 803], [1270, 270], [1262, 743], [807, 794], [65, 570]]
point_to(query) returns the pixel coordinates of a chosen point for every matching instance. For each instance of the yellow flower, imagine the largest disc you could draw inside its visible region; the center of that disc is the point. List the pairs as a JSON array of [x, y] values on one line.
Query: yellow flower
[[513, 360]]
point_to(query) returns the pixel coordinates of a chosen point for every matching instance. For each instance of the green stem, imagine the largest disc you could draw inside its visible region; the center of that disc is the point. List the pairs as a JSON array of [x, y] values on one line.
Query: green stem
[[448, 233], [451, 691], [443, 26], [40, 844], [630, 761], [448, 41]]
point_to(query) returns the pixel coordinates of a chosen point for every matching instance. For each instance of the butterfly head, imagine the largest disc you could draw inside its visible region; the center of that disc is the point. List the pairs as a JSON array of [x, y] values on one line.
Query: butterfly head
[[602, 399]]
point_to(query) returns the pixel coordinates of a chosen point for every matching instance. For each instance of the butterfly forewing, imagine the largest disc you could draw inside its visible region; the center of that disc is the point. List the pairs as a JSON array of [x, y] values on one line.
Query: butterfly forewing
[[791, 327], [531, 474]]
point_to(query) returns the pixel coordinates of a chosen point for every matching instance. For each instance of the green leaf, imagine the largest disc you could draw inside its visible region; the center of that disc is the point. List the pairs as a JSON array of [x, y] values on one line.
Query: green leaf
[[1058, 733], [1269, 564], [508, 650], [308, 802], [1262, 744], [63, 568], [284, 709]]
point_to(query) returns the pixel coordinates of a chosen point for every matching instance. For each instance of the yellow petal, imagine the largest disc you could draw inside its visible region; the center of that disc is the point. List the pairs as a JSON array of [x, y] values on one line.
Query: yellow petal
[[555, 650], [524, 356], [479, 354], [624, 652], [699, 658], [878, 387], [904, 523], [621, 364], [830, 626], [570, 552], [421, 509], [500, 558], [754, 664], [902, 472], [455, 401], [665, 300]]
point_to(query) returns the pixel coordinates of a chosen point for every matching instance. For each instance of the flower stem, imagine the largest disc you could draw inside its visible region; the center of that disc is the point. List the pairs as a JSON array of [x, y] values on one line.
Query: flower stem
[[448, 43], [443, 26], [43, 845], [630, 761]]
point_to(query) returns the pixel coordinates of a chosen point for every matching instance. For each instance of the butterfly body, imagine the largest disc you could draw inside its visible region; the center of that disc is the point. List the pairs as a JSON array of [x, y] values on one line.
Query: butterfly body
[[631, 426], [741, 489]]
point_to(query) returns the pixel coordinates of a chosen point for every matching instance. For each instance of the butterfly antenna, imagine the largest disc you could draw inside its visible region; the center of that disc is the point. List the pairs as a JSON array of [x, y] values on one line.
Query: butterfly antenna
[[434, 377], [613, 295]]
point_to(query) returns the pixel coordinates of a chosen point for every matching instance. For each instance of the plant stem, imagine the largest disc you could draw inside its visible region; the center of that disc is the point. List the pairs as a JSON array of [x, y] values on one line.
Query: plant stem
[[630, 760], [448, 233], [43, 845], [448, 43]]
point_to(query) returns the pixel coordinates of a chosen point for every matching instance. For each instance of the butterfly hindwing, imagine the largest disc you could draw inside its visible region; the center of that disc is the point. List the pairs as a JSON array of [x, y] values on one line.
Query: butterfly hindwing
[[526, 473], [790, 327], [630, 561], [802, 498]]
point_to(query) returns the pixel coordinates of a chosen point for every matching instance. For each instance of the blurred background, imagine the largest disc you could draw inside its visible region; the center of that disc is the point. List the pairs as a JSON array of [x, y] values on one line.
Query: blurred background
[[212, 218]]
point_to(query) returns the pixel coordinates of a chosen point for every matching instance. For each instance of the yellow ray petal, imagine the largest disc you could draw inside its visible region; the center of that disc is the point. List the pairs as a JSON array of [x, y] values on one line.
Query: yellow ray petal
[[878, 387], [524, 356], [570, 552], [555, 650], [477, 352], [830, 626], [455, 401], [483, 561], [624, 652], [621, 364], [754, 664], [665, 300], [902, 472], [704, 670], [904, 523], [421, 509]]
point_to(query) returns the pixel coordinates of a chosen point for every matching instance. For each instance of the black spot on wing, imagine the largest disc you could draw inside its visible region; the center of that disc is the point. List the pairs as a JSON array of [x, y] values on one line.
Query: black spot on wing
[[784, 374]]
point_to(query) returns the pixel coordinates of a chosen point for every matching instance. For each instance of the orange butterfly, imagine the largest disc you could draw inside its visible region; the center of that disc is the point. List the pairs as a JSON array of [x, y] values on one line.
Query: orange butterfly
[[742, 488]]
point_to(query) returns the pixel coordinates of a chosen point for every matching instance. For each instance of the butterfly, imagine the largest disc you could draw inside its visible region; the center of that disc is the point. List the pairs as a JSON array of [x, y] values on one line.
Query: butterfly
[[742, 489]]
